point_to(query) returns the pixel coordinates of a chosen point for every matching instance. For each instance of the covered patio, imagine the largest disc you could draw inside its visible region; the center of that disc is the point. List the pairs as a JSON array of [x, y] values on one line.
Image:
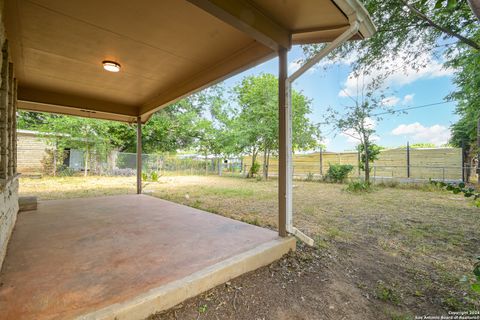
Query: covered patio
[[124, 256], [130, 256]]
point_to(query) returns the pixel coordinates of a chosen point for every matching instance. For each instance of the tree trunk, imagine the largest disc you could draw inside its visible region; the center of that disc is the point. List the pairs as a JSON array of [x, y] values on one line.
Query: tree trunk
[[265, 164], [220, 166], [86, 161], [206, 165], [367, 163], [268, 162], [55, 161], [254, 158]]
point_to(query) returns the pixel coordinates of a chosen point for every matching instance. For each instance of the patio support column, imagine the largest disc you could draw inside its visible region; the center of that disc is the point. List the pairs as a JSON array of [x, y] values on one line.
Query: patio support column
[[284, 131], [139, 155]]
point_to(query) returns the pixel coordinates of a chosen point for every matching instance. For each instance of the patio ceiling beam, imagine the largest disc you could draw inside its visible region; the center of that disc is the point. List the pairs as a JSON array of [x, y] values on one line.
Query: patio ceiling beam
[[245, 17], [237, 62], [43, 100]]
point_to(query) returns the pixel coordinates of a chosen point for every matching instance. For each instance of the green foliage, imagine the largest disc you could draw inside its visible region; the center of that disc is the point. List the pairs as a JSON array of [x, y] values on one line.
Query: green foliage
[[338, 172], [256, 119], [466, 94], [359, 186], [203, 308], [422, 145], [387, 293], [373, 153], [476, 272], [154, 176], [254, 169], [412, 35], [468, 192]]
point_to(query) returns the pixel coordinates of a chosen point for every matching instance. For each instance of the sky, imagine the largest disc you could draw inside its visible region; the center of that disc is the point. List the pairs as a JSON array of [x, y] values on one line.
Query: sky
[[332, 86]]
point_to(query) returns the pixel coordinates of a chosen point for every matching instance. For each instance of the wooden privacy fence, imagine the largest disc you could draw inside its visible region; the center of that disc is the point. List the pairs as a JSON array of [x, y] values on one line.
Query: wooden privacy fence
[[434, 163]]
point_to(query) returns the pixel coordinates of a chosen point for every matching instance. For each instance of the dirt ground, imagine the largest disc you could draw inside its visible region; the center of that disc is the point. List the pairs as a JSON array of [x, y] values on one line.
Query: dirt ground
[[393, 253]]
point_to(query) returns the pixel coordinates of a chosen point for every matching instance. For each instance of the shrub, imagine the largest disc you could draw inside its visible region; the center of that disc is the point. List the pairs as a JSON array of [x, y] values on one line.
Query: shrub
[[338, 172], [359, 186]]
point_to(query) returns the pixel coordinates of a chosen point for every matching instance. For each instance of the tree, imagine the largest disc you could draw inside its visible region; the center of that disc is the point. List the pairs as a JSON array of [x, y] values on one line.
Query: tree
[[358, 121], [412, 33], [76, 132], [257, 120]]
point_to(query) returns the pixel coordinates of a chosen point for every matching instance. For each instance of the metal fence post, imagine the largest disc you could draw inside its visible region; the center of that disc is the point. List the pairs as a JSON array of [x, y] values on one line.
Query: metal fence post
[[408, 159]]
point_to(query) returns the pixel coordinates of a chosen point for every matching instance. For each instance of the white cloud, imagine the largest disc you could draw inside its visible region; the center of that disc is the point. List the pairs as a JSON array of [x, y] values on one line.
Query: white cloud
[[293, 66], [390, 101], [408, 98], [436, 134], [403, 76]]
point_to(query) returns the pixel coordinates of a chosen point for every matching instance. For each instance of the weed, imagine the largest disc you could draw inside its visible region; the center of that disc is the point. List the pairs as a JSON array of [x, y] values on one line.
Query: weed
[[310, 176], [203, 308], [359, 186], [387, 293]]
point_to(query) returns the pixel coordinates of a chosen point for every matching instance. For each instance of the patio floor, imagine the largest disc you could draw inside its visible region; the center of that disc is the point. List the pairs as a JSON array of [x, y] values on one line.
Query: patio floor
[[123, 256]]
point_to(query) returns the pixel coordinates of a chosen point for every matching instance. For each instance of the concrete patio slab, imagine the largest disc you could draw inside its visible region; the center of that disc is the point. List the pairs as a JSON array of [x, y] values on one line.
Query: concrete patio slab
[[123, 257]]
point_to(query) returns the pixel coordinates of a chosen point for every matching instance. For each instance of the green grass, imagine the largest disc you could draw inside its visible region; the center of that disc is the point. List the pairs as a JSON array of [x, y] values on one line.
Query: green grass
[[432, 234]]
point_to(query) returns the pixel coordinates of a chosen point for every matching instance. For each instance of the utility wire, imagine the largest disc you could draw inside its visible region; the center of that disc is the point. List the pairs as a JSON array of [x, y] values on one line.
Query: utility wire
[[410, 108]]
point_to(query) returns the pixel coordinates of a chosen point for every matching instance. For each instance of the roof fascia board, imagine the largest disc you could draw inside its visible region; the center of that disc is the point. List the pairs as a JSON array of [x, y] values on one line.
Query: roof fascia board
[[355, 11]]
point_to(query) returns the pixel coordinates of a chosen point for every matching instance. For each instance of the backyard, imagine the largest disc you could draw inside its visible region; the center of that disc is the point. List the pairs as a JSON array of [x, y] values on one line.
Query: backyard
[[393, 253]]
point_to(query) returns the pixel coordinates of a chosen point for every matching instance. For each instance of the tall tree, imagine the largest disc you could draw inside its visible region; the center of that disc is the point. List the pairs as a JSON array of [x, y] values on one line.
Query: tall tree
[[412, 33], [257, 121], [358, 119]]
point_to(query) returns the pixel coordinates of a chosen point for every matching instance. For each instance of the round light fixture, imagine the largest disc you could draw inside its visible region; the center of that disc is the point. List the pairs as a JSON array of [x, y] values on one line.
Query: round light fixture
[[111, 66]]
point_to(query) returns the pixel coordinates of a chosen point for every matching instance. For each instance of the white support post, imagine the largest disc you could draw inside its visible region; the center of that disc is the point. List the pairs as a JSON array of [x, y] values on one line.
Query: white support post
[[289, 163], [139, 155], [283, 141], [285, 174]]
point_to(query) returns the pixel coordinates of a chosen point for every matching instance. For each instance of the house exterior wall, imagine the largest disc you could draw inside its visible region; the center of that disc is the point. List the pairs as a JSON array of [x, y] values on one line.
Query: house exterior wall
[[31, 152], [8, 144]]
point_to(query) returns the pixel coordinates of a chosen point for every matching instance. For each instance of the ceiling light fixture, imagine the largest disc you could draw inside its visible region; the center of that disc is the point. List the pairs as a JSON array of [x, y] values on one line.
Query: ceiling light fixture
[[111, 66]]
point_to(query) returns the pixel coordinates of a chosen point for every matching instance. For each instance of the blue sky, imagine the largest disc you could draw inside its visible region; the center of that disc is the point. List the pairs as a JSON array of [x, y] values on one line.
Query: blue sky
[[327, 87]]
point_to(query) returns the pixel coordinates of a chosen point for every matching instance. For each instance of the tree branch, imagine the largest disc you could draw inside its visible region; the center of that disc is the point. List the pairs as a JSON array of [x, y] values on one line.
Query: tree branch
[[439, 27]]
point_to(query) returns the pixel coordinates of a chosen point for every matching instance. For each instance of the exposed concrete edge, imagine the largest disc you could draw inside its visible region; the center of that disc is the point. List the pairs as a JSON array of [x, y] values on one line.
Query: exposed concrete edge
[[171, 294]]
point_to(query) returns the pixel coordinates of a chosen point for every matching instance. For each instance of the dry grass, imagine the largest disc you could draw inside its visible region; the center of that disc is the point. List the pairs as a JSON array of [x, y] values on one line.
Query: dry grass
[[432, 236]]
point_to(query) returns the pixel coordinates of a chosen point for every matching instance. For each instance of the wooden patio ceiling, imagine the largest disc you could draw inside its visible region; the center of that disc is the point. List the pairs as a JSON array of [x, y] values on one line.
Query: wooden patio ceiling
[[167, 49]]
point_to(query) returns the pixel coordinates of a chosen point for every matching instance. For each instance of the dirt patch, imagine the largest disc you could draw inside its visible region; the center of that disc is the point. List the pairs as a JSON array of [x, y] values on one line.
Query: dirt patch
[[310, 284]]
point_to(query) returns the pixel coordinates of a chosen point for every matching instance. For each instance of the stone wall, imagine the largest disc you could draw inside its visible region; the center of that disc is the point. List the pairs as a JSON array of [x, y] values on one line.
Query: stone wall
[[8, 143], [8, 214]]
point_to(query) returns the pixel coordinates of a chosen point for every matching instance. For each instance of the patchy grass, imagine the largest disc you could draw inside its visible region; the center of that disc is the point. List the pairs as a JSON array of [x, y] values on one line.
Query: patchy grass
[[403, 249]]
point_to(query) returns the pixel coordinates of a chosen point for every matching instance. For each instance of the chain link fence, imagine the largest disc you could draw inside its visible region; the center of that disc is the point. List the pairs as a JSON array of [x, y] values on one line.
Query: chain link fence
[[69, 162]]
